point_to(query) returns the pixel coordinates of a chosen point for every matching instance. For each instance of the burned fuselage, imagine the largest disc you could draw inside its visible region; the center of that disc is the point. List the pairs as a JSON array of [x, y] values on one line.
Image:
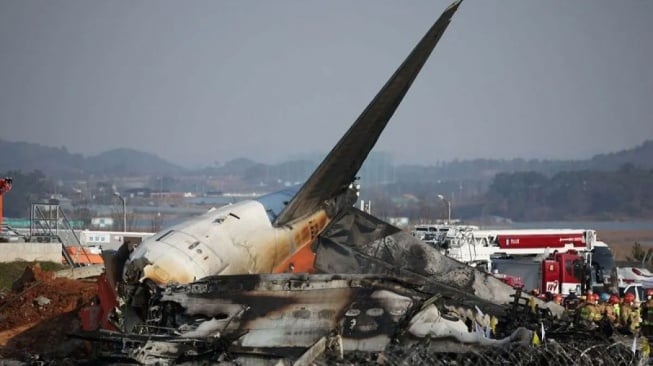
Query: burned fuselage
[[281, 315]]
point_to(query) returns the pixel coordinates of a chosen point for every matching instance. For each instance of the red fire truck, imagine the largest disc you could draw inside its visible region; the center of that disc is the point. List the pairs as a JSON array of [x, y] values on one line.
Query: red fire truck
[[553, 239], [563, 272], [558, 274]]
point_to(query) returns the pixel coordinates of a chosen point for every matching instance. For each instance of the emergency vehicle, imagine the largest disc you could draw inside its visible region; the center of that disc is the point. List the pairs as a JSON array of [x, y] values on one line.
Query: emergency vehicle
[[435, 234], [481, 247], [559, 273], [628, 275]]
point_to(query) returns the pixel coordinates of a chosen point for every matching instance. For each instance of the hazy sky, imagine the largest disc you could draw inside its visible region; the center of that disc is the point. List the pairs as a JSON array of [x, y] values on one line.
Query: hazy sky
[[202, 81]]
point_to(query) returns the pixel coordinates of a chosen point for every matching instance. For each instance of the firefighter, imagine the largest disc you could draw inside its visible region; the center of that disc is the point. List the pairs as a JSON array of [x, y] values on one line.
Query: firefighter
[[635, 318], [599, 309], [572, 301], [589, 311], [629, 314], [535, 292], [604, 304], [612, 310], [647, 315], [557, 299]]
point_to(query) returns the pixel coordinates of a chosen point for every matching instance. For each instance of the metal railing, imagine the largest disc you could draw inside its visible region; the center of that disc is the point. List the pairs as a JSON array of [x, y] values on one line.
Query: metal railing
[[48, 222]]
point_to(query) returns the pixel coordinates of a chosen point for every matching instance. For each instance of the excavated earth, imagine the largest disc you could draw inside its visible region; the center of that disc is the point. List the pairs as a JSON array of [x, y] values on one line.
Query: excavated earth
[[38, 312]]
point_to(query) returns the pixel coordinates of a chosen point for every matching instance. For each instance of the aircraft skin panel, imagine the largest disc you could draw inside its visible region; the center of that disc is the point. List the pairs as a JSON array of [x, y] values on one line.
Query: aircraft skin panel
[[234, 239], [339, 168], [177, 255]]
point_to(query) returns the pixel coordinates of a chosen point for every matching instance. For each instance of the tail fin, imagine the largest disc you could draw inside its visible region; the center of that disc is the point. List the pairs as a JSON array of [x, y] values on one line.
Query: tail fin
[[339, 168]]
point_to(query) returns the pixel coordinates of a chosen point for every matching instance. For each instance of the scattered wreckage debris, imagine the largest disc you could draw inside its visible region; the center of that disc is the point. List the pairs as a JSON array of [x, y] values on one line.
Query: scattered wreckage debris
[[336, 319], [577, 351], [277, 316], [356, 242], [76, 273]]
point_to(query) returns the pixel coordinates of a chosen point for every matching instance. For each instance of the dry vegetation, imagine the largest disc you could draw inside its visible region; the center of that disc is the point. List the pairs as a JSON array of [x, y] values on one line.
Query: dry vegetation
[[622, 241], [10, 272]]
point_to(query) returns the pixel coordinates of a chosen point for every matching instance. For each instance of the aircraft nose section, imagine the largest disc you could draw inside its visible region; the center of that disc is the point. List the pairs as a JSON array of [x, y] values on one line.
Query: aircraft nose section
[[162, 267]]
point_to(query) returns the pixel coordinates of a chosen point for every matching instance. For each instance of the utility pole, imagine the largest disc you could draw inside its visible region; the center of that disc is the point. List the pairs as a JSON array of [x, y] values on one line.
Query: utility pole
[[441, 197], [124, 211]]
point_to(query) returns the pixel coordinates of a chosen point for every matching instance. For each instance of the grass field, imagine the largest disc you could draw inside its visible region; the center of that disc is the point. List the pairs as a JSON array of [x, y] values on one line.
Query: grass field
[[10, 272], [622, 241]]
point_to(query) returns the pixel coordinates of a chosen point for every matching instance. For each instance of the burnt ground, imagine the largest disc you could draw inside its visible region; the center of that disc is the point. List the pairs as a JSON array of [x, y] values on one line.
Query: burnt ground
[[39, 311]]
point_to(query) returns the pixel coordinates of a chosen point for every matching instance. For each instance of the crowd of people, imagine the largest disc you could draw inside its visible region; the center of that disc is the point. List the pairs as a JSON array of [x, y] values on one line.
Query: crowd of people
[[624, 314]]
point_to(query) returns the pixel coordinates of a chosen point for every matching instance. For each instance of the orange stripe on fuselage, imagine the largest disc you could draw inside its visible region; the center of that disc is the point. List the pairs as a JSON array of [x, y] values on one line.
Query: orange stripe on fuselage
[[302, 261], [304, 235]]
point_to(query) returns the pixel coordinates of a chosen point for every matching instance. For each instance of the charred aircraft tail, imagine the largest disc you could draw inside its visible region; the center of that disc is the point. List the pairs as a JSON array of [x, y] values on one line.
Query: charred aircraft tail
[[339, 168]]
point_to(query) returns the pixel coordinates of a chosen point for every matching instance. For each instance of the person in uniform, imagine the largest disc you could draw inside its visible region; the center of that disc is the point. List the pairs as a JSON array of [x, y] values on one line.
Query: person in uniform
[[557, 299], [629, 315], [572, 301], [647, 315], [589, 313], [612, 310], [597, 314]]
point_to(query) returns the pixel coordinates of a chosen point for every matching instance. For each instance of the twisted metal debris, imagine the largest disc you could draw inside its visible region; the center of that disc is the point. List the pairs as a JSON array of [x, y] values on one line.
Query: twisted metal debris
[[581, 351]]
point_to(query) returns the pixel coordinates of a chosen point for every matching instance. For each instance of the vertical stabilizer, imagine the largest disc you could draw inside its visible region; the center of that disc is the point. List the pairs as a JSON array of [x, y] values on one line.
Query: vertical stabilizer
[[339, 168]]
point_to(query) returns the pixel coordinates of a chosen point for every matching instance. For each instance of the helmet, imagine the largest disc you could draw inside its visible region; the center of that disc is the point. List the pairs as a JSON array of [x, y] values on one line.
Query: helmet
[[593, 298], [613, 299], [535, 292], [629, 297], [557, 299], [605, 297]]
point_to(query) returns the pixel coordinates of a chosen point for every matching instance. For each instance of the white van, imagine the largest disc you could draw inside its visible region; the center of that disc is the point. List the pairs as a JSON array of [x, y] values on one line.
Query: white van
[[633, 288]]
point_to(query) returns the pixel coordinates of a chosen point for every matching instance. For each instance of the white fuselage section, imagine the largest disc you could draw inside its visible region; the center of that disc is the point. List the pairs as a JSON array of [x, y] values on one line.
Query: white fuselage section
[[233, 239]]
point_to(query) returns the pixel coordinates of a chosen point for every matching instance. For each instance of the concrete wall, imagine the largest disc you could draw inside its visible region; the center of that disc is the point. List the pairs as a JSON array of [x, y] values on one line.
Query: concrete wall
[[48, 252]]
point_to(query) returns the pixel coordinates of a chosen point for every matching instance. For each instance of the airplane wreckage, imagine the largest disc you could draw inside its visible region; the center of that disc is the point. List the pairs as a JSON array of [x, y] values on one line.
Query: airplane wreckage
[[301, 276]]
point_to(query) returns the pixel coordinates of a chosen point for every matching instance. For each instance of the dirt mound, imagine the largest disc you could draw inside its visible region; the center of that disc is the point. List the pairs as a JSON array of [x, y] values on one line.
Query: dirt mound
[[33, 273], [40, 310]]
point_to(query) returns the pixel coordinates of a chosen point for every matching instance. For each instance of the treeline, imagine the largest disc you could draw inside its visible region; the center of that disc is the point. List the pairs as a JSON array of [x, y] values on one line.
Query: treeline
[[379, 168], [626, 193], [603, 195]]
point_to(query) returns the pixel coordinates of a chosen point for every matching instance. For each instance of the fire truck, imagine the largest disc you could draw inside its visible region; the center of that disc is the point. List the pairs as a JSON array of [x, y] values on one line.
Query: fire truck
[[559, 273], [482, 247], [551, 260]]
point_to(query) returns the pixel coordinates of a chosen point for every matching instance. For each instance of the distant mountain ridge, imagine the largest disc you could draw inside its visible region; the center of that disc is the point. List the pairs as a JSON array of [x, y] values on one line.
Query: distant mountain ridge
[[485, 169], [130, 162], [641, 156], [59, 162]]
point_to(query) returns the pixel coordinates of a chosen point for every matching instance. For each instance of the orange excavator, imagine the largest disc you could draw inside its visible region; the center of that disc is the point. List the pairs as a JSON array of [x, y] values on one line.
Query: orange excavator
[[5, 186]]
